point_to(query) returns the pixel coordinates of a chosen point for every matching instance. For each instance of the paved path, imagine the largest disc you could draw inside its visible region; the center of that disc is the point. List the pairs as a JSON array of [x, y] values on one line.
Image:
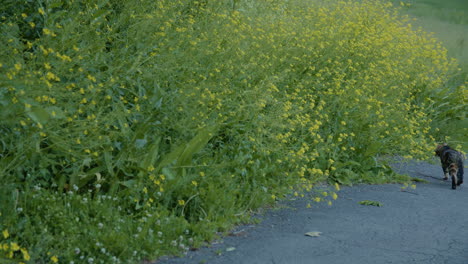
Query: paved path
[[427, 226]]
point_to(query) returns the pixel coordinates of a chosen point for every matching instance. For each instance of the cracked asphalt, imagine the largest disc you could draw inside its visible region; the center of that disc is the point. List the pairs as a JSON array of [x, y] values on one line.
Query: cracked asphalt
[[426, 225]]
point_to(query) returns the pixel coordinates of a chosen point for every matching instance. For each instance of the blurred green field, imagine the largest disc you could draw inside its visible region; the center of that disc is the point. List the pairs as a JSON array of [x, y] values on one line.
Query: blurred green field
[[448, 21]]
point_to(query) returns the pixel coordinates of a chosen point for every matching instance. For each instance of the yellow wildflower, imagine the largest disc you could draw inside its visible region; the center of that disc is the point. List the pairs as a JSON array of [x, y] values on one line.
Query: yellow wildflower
[[25, 254], [334, 196], [5, 233], [14, 246], [337, 186]]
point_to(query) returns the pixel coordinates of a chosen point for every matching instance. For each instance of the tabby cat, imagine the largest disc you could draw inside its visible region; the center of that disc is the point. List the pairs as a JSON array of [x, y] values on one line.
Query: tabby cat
[[452, 164]]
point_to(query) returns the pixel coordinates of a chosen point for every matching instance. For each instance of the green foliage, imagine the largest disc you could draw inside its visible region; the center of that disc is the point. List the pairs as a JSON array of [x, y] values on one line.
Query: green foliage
[[158, 123], [448, 22], [372, 203]]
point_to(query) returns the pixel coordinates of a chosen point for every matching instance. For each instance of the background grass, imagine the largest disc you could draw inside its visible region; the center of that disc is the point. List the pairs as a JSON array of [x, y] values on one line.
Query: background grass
[[448, 21], [142, 128]]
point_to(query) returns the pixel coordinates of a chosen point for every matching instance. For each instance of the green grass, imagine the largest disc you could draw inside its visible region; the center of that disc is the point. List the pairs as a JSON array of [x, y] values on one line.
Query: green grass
[[448, 21], [138, 129]]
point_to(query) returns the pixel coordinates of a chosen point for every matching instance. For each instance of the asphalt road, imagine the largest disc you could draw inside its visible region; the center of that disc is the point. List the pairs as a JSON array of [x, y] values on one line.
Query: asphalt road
[[428, 225]]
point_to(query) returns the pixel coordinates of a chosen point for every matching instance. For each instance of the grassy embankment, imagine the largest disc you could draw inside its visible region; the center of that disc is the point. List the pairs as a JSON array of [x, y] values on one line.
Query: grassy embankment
[[135, 129]]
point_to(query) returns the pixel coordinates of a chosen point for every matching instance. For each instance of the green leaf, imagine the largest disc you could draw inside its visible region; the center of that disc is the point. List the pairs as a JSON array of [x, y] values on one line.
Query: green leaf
[[183, 154], [313, 234], [129, 183], [38, 114], [152, 155], [168, 173], [372, 203], [195, 145], [55, 112]]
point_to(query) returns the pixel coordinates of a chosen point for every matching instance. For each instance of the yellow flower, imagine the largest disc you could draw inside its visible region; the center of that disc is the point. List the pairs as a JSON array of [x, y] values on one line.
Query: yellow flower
[[337, 186], [54, 259], [334, 196], [41, 11], [25, 254], [47, 31], [14, 246], [181, 202], [195, 183], [5, 233]]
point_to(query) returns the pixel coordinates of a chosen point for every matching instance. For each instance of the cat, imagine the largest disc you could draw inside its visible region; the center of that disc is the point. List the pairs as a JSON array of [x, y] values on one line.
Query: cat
[[452, 164]]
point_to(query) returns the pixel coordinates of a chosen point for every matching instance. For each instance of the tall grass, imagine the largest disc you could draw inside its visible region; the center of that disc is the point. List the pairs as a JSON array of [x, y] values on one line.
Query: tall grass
[[138, 129]]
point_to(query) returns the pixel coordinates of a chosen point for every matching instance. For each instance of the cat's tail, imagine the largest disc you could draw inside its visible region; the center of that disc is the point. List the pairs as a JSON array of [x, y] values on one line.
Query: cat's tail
[[453, 170]]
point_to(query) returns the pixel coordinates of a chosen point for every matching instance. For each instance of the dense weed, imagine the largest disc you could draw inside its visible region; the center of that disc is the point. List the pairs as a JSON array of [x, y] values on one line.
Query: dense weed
[[136, 129]]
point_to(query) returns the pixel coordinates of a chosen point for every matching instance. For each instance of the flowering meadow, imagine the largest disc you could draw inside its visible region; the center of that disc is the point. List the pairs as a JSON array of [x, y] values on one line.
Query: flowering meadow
[[131, 130]]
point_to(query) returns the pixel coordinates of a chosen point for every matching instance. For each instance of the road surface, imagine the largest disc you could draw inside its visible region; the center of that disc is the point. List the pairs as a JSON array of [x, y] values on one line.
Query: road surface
[[427, 225]]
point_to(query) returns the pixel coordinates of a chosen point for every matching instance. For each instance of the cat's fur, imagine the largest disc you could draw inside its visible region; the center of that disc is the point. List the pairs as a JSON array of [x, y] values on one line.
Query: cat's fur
[[452, 164]]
